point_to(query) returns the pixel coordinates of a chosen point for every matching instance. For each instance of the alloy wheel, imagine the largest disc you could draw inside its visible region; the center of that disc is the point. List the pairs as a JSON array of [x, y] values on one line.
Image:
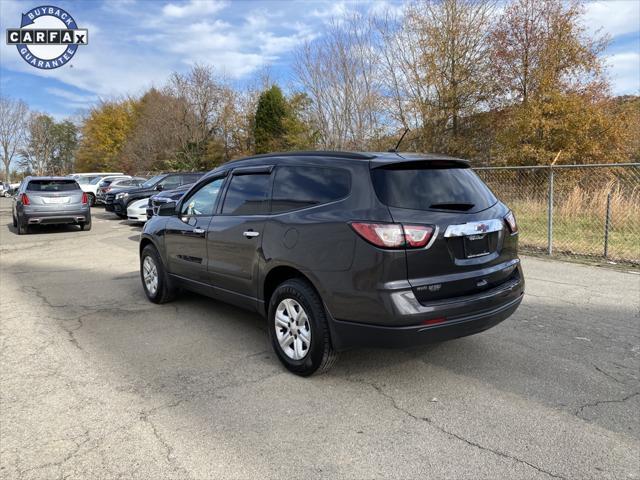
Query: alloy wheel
[[293, 329], [150, 275]]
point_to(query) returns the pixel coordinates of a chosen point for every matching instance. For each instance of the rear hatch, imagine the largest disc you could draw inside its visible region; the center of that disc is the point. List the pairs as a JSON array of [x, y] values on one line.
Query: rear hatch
[[52, 195], [468, 253]]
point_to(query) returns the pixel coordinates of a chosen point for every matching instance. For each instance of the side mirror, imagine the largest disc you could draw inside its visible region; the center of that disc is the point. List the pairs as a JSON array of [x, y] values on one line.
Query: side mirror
[[167, 209], [159, 188]]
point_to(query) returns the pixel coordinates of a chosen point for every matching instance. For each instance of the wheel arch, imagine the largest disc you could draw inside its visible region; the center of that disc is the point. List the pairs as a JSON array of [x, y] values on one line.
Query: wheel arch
[[279, 274]]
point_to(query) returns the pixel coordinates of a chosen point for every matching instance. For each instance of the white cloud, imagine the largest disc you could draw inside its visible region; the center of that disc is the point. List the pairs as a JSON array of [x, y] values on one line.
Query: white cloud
[[615, 17], [71, 96], [193, 8], [625, 73]]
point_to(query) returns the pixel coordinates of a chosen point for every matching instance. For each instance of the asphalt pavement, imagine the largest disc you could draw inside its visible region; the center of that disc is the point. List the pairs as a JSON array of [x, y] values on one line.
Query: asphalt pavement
[[97, 382]]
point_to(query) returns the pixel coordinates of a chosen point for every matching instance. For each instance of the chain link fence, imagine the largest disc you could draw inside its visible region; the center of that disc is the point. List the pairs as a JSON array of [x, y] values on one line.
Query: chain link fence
[[580, 211]]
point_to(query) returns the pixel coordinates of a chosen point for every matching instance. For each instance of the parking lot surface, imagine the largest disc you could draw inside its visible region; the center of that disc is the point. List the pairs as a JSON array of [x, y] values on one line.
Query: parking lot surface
[[96, 382]]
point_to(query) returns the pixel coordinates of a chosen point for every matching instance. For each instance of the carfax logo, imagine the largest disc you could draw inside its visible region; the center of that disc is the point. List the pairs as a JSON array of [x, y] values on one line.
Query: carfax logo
[[48, 37]]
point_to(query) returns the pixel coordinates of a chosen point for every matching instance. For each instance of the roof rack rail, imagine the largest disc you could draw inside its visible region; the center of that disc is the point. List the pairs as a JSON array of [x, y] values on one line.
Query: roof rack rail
[[312, 153]]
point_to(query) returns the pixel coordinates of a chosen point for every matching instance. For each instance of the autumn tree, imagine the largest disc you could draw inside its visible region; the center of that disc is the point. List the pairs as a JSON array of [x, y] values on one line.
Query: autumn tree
[[550, 71], [13, 128], [104, 133]]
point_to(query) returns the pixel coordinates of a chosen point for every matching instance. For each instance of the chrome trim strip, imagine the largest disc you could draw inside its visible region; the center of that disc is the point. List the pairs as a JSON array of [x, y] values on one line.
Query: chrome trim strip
[[474, 228]]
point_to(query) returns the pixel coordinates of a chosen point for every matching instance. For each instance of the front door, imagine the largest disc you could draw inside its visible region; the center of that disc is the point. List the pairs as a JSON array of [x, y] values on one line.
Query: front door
[[186, 233], [235, 235]]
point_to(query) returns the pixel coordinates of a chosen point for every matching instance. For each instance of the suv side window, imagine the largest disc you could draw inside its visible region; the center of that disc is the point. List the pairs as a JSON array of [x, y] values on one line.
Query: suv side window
[[171, 182], [248, 194], [203, 201], [189, 178], [300, 187]]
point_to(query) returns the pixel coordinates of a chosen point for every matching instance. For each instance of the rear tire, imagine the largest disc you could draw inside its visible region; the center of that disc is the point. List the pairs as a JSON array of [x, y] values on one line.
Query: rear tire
[[86, 226], [15, 222], [160, 290], [300, 314], [22, 227]]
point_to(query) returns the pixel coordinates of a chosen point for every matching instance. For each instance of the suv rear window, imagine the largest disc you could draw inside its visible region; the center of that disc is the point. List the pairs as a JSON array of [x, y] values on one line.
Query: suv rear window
[[52, 186], [299, 187], [421, 186]]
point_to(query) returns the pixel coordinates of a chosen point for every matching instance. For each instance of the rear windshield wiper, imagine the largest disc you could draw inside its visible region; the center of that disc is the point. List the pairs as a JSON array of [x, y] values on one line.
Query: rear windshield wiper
[[462, 207]]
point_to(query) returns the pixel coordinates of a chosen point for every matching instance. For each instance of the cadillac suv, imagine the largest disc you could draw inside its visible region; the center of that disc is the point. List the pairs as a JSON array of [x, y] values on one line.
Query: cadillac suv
[[340, 250]]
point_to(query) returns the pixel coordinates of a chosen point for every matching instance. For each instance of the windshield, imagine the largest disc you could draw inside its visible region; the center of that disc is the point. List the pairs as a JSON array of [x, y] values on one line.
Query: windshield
[[152, 181], [85, 180], [423, 187], [96, 180]]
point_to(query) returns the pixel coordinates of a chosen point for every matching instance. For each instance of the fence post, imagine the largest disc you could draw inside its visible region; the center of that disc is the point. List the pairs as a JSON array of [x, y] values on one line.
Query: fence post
[[550, 214], [607, 224]]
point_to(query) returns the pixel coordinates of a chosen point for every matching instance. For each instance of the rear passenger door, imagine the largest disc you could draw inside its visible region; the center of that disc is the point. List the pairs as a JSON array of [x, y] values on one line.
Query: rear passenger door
[[235, 234]]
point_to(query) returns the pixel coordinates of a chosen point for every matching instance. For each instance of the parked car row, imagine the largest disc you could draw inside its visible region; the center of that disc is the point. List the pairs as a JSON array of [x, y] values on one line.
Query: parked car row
[[67, 200], [118, 201]]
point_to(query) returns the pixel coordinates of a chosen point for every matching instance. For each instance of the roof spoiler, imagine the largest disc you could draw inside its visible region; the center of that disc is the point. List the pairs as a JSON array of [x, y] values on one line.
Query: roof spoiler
[[419, 162]]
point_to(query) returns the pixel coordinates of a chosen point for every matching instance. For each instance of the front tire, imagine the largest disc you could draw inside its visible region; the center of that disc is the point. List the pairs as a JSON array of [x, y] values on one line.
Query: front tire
[[155, 280], [91, 198], [298, 328]]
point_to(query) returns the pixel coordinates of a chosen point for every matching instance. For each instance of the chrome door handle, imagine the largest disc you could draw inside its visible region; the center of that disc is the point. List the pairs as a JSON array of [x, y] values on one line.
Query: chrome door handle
[[198, 230], [251, 234]]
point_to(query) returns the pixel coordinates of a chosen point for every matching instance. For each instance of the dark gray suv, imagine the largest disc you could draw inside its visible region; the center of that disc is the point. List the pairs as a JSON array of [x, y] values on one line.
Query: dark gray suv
[[340, 250]]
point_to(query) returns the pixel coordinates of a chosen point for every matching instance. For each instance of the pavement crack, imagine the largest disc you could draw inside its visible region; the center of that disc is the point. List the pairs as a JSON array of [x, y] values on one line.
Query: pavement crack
[[471, 443], [581, 408], [607, 374], [171, 460]]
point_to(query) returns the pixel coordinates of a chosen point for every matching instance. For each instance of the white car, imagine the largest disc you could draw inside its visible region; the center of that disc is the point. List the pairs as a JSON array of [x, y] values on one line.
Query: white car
[[91, 187], [137, 211]]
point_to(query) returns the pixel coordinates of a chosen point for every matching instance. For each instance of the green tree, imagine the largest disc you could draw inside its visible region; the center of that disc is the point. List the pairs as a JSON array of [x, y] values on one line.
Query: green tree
[[271, 114]]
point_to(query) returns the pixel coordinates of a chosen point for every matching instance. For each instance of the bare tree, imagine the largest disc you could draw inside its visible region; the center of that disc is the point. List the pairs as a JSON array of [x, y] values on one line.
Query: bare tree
[[40, 147], [339, 73], [13, 126]]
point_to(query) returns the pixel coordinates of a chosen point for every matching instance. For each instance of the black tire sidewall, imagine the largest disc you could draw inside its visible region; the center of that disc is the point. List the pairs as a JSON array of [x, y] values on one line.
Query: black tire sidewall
[[150, 251], [304, 294], [92, 199]]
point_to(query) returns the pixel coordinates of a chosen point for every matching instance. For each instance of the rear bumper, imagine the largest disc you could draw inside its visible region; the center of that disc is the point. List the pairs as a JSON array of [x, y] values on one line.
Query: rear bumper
[[428, 323], [51, 218], [348, 334]]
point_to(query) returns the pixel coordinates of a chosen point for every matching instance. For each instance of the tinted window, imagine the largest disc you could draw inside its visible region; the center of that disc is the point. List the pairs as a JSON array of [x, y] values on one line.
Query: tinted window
[[152, 181], [52, 186], [247, 195], [428, 188], [171, 182], [204, 200], [190, 178], [299, 187]]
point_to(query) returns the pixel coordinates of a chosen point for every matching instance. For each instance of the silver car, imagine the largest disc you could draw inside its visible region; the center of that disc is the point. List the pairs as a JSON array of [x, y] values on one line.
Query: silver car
[[50, 200]]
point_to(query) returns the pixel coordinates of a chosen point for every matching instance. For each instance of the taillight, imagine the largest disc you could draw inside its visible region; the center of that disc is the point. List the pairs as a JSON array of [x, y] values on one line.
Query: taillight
[[394, 235], [510, 218], [85, 198], [24, 199], [386, 235], [417, 236]]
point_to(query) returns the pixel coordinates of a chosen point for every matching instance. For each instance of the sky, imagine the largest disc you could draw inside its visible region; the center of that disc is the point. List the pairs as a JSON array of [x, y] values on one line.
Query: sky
[[136, 44]]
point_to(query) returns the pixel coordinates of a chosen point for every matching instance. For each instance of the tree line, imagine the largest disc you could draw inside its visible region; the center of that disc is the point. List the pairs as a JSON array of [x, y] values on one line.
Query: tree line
[[517, 83]]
